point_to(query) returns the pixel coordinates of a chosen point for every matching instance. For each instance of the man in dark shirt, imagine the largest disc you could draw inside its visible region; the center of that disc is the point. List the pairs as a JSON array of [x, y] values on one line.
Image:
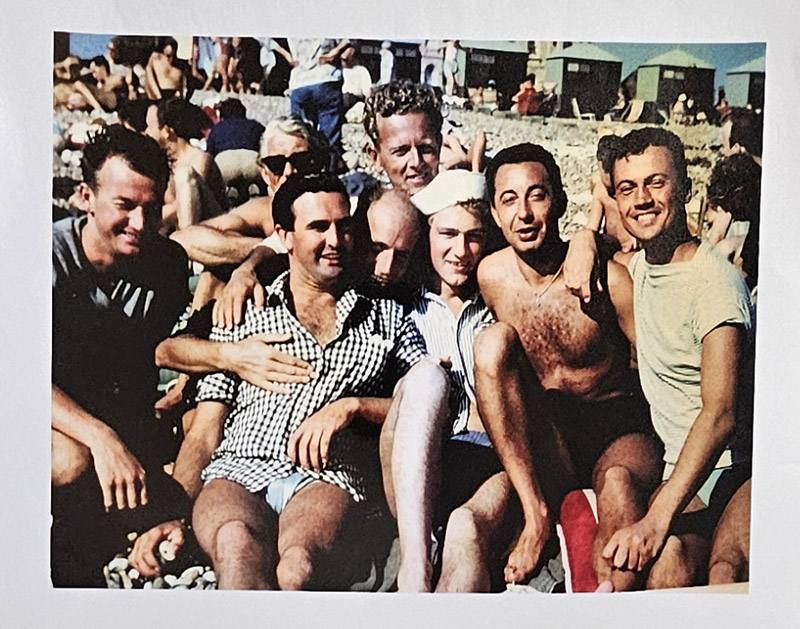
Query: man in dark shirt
[[118, 288]]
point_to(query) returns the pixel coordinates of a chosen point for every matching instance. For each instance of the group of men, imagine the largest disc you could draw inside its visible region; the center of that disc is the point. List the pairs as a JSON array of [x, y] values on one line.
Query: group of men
[[368, 351]]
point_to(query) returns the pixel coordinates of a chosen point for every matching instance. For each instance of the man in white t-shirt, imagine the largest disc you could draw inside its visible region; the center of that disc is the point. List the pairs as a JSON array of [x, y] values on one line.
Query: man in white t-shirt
[[692, 313], [357, 82]]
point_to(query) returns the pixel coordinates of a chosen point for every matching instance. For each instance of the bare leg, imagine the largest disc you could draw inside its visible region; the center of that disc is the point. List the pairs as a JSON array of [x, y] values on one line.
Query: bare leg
[[411, 446], [238, 530], [309, 526], [683, 561], [471, 530], [730, 547], [68, 459], [624, 477], [506, 410]]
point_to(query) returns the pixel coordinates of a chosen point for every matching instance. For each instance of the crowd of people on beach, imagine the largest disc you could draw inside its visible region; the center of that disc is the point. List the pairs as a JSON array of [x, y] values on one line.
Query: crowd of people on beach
[[421, 348]]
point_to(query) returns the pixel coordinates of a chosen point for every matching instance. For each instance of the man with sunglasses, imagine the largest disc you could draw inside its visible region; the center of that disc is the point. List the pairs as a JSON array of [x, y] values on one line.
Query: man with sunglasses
[[288, 145]]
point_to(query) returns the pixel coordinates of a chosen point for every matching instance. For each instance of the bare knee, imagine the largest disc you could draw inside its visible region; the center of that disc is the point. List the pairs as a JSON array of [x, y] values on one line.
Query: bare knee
[[294, 568], [494, 348], [69, 459], [426, 375], [614, 483], [464, 526], [678, 565], [233, 539]]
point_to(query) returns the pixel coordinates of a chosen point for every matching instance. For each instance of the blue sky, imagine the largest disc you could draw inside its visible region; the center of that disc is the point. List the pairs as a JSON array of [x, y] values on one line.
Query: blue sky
[[723, 57]]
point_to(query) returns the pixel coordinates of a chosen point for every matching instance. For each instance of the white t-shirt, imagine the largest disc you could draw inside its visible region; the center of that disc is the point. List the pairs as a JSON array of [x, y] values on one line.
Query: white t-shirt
[[675, 305], [309, 71], [356, 81]]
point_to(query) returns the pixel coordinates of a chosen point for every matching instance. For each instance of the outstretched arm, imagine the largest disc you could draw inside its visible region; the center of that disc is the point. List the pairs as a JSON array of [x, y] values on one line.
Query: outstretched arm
[[121, 476], [636, 545], [254, 359]]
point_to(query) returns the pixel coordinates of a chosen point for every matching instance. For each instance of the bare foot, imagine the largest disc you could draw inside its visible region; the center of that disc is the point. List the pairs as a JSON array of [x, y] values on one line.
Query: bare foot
[[526, 554], [605, 587]]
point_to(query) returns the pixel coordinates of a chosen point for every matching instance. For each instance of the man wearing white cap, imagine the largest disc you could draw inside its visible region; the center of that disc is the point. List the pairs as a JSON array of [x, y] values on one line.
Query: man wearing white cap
[[449, 312]]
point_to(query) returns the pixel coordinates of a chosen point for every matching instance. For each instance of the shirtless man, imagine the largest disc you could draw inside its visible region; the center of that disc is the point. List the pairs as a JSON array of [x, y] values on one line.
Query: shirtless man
[[196, 188], [570, 413], [163, 79]]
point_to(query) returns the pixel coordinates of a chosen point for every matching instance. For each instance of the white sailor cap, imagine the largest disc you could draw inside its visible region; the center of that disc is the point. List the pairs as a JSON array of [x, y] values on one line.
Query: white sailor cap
[[448, 188]]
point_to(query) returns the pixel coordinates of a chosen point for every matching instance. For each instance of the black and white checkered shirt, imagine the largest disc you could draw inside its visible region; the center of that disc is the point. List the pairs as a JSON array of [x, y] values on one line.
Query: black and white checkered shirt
[[374, 346]]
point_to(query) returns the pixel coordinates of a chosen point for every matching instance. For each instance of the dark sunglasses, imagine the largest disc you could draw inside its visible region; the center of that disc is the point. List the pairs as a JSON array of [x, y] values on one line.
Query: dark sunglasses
[[303, 162]]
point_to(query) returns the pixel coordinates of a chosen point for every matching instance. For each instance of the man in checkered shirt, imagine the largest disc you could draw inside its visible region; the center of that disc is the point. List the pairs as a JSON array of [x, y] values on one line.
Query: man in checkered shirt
[[288, 469]]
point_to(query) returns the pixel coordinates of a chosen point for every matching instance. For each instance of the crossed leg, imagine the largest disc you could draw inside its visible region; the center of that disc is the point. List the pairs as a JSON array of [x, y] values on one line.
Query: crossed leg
[[411, 443], [471, 530], [625, 475], [521, 434]]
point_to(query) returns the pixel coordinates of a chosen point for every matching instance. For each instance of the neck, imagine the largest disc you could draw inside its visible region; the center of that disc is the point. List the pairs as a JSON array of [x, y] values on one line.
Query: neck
[[545, 261], [305, 290], [455, 296], [671, 246], [95, 249]]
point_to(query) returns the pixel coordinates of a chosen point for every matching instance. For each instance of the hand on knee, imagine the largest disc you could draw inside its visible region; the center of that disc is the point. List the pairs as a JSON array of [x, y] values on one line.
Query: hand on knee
[[294, 568]]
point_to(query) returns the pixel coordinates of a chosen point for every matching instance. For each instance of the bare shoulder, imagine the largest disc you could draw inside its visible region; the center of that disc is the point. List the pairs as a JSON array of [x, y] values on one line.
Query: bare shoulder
[[492, 272], [620, 285]]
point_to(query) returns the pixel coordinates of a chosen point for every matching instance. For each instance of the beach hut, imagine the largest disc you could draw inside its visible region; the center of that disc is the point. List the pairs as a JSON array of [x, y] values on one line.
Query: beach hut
[[503, 62], [745, 85], [586, 73], [663, 78]]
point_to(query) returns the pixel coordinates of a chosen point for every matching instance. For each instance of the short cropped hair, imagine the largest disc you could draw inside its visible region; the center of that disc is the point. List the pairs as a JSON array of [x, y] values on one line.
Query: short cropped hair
[[101, 61], [527, 152], [607, 147], [296, 186], [186, 120], [134, 112], [141, 153], [292, 125], [231, 108], [735, 186], [639, 140], [403, 97], [747, 130]]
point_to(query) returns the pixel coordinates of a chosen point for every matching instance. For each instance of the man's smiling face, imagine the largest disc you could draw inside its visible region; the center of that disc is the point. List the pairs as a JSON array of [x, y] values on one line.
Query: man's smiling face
[[648, 192]]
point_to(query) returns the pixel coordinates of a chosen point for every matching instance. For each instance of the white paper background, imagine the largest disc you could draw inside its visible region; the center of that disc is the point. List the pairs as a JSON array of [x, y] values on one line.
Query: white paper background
[[26, 597]]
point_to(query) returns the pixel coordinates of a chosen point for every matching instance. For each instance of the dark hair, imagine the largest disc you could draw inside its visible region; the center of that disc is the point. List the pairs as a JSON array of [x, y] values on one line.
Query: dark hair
[[232, 108], [735, 185], [607, 148], [403, 97], [142, 154], [527, 152], [134, 112], [639, 140], [186, 120], [163, 42], [747, 130], [100, 60], [297, 185]]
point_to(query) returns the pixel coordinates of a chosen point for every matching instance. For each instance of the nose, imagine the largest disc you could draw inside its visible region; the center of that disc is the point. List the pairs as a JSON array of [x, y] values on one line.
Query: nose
[[460, 246], [414, 158], [137, 219], [333, 237], [524, 211], [643, 196], [384, 264]]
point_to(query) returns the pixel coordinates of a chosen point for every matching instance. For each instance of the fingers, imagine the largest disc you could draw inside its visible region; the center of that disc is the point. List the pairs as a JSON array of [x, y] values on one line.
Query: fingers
[[216, 314], [120, 496], [259, 296], [324, 445], [143, 557], [108, 498]]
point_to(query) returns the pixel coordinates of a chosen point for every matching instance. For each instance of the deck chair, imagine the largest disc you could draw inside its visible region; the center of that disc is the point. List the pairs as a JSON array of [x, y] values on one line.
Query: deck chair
[[635, 112], [576, 111]]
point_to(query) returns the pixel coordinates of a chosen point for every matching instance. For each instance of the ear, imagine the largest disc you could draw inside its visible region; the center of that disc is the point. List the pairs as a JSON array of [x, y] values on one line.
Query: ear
[[372, 151], [86, 196], [688, 195], [287, 238], [496, 218]]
